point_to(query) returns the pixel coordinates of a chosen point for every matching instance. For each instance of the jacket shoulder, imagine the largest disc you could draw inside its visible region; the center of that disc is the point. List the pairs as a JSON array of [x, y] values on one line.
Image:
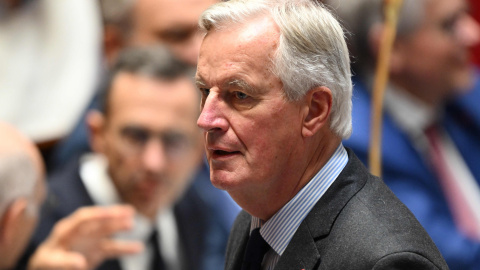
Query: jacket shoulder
[[375, 229]]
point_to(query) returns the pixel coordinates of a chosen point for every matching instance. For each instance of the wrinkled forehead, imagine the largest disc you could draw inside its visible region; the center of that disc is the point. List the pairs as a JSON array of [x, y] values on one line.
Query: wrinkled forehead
[[257, 37]]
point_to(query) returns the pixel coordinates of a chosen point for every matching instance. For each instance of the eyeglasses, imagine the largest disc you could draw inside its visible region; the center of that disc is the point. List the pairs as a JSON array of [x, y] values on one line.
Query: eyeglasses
[[176, 145]]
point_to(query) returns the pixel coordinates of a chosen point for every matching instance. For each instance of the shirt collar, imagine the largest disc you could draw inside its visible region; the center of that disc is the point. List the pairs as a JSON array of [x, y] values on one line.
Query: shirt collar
[[280, 228], [100, 187], [94, 175], [410, 113]]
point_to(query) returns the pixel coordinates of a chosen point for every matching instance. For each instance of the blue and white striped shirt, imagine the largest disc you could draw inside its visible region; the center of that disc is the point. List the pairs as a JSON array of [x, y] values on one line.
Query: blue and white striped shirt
[[280, 228]]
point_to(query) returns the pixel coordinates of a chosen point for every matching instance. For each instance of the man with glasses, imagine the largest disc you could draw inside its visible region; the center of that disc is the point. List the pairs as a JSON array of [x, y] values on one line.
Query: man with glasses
[[147, 148]]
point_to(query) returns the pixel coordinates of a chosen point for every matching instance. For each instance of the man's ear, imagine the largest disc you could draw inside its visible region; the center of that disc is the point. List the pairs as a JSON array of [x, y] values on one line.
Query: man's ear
[[96, 126], [11, 220], [318, 107]]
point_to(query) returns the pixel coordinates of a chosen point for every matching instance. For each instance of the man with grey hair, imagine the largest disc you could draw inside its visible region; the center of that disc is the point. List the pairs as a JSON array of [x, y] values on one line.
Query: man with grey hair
[[147, 151], [431, 122], [22, 191], [276, 90]]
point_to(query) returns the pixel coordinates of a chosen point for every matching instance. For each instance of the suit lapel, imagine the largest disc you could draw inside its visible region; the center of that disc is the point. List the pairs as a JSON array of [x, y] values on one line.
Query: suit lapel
[[301, 252], [238, 242], [66, 191], [305, 249]]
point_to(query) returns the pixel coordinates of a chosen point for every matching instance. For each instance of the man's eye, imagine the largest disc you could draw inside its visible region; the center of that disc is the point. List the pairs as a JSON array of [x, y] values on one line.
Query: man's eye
[[205, 91], [174, 140], [449, 26], [135, 136], [240, 95]]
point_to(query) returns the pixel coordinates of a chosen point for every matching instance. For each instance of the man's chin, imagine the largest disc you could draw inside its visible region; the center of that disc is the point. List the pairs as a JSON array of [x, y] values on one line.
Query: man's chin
[[219, 184], [223, 180]]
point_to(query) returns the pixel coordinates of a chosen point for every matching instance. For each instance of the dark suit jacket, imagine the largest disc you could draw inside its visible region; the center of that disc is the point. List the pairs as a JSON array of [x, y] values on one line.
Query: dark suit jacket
[[409, 175], [196, 222], [357, 224]]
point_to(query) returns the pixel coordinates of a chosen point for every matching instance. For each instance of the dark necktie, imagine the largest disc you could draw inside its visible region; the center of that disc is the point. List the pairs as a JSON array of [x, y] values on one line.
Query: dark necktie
[[256, 249], [157, 261]]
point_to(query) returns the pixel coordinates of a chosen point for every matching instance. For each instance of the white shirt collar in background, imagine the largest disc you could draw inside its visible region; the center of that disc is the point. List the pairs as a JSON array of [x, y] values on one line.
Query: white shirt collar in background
[[93, 172]]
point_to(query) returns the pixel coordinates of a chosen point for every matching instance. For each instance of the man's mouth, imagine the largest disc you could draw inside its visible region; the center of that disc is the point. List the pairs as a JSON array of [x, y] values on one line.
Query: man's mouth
[[223, 153]]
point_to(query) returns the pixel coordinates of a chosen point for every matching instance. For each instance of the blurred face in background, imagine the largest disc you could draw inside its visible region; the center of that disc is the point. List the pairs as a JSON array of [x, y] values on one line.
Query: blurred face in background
[[170, 22], [150, 139], [435, 58]]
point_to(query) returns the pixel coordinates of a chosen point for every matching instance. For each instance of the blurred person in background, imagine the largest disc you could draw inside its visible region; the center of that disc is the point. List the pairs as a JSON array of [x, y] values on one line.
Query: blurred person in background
[[147, 149], [135, 23], [75, 240], [22, 191], [431, 123], [173, 23], [123, 23]]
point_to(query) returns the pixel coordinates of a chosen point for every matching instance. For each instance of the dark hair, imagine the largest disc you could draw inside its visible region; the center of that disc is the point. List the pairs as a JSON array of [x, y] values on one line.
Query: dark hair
[[152, 61]]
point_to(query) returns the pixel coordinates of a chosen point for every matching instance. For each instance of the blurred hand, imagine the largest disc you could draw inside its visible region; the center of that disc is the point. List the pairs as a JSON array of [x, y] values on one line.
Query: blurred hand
[[83, 239]]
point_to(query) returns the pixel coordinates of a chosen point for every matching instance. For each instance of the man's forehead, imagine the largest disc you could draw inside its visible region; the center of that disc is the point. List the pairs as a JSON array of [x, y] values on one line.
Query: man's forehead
[[131, 88], [167, 13], [261, 28], [124, 79], [258, 38], [439, 10]]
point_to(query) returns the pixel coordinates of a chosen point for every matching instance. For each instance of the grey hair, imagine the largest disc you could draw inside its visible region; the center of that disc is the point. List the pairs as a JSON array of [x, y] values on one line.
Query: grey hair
[[312, 51], [359, 16], [150, 61], [18, 177]]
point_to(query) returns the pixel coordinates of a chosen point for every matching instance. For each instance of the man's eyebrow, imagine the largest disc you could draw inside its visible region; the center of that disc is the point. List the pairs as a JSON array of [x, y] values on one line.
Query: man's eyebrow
[[237, 83], [199, 83], [243, 85]]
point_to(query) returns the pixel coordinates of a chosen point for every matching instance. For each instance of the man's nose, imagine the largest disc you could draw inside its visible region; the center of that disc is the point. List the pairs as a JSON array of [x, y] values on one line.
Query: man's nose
[[154, 156], [468, 31], [212, 116]]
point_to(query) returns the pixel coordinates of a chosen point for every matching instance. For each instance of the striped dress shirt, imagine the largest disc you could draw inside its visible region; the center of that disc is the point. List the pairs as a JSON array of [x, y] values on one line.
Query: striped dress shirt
[[280, 228]]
